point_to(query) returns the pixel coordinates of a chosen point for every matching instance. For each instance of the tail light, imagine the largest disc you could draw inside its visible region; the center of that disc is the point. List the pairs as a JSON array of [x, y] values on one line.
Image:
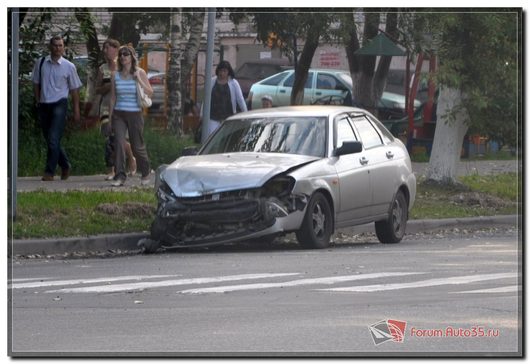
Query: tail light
[[158, 80]]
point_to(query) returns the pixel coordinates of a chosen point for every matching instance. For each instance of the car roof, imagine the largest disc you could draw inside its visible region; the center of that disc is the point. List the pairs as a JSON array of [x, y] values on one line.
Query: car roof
[[325, 70], [271, 61], [298, 110]]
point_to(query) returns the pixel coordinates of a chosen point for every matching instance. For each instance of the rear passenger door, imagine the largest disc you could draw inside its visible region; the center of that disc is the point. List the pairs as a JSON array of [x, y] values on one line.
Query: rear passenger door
[[379, 159]]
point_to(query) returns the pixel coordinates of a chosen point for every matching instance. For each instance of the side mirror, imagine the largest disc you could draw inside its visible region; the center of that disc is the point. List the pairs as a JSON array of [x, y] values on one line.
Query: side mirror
[[349, 148], [189, 151]]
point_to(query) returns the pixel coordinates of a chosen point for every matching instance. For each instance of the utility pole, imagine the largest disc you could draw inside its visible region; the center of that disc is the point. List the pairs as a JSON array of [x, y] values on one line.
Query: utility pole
[[14, 113], [208, 80]]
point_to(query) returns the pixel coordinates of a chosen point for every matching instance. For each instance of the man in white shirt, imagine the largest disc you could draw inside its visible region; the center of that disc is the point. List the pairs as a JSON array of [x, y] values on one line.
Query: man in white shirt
[[54, 77]]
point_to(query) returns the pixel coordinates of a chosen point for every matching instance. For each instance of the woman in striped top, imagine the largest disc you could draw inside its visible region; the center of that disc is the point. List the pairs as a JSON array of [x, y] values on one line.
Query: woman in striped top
[[126, 114]]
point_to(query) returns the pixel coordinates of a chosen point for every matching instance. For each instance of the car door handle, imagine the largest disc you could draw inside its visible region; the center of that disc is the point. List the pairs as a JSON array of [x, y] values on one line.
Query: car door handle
[[389, 155], [363, 161], [282, 91], [318, 93]]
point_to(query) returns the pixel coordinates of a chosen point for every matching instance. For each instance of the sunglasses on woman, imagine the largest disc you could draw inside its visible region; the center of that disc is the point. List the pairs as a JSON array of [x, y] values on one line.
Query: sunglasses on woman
[[125, 54]]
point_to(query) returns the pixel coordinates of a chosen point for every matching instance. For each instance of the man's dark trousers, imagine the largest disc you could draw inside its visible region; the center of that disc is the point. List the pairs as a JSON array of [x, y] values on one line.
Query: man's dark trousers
[[53, 120]]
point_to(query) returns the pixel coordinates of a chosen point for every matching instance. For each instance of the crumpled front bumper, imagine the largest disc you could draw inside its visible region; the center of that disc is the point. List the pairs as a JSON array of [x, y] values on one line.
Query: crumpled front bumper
[[215, 219]]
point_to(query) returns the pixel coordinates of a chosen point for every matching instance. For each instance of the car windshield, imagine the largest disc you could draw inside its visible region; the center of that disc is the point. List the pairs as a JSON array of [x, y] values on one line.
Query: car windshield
[[292, 135]]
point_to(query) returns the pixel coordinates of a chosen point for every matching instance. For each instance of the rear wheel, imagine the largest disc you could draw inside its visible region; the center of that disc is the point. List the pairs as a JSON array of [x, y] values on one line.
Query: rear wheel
[[317, 226], [392, 230]]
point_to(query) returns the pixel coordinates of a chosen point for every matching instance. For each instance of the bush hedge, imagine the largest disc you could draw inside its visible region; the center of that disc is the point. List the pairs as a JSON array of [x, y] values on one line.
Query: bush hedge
[[85, 149]]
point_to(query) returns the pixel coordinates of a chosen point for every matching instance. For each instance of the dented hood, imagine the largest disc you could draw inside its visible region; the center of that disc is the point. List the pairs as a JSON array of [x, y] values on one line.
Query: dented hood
[[206, 174]]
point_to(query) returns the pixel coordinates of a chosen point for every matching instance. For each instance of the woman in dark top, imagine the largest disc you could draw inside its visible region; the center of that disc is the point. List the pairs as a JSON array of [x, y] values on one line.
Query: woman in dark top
[[226, 96]]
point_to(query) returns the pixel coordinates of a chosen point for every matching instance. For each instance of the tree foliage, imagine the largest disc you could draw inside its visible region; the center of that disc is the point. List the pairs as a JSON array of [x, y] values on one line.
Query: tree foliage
[[479, 54], [287, 27]]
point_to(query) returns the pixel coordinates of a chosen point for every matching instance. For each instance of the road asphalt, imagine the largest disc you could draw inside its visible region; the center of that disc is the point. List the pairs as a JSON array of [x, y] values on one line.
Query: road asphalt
[[128, 242]]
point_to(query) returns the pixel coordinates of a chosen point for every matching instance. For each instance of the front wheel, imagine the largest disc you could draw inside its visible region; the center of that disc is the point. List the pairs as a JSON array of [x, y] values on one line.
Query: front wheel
[[317, 226], [392, 230]]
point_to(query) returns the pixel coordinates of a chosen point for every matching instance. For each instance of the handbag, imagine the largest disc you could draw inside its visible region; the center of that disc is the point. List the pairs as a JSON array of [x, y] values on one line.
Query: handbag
[[143, 99]]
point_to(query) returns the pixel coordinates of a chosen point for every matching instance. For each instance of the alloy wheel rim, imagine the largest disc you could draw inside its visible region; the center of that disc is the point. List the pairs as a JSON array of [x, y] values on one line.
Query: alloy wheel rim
[[397, 216], [319, 221]]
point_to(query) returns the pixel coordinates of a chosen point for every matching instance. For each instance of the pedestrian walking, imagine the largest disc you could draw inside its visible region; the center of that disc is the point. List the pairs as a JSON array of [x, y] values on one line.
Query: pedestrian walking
[[226, 96], [54, 78], [103, 89], [126, 114]]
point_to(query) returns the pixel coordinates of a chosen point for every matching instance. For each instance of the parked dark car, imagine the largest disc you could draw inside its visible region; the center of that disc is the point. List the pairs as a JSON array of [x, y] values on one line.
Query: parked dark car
[[253, 71], [158, 83]]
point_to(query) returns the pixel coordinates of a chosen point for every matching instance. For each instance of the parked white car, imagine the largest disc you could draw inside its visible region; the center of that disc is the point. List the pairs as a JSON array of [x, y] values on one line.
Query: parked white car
[[302, 169], [321, 85]]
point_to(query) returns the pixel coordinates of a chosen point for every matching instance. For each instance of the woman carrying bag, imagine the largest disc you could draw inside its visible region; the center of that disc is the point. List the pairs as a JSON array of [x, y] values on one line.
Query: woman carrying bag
[[126, 114], [103, 88]]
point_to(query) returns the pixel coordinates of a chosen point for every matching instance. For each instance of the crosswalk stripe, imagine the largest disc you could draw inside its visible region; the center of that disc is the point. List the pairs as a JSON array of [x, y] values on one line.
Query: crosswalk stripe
[[167, 283], [505, 289], [299, 282], [17, 280], [40, 283], [426, 283]]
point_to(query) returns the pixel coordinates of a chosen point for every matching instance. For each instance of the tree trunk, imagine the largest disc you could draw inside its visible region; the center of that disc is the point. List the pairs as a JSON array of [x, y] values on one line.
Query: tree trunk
[[366, 96], [192, 46], [379, 82], [448, 138], [303, 65], [90, 33], [173, 80], [351, 45], [123, 27]]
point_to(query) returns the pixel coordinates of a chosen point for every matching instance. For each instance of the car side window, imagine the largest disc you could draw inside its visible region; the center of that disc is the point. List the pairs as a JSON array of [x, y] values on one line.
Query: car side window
[[290, 80], [344, 132], [385, 134], [326, 82], [369, 135], [274, 80]]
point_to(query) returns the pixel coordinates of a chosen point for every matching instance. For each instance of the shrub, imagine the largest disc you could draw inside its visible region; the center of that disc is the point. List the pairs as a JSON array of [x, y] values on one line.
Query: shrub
[[85, 149]]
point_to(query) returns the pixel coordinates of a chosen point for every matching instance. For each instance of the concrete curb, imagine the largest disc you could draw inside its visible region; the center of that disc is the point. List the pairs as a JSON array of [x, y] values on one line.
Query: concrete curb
[[418, 226], [98, 243], [128, 242]]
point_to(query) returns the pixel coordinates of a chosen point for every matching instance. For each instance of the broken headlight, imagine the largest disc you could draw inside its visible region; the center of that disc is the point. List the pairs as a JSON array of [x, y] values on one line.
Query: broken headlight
[[279, 186]]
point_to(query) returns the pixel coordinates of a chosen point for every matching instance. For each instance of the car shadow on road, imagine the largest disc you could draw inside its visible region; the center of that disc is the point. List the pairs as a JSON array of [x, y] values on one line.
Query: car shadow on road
[[287, 243]]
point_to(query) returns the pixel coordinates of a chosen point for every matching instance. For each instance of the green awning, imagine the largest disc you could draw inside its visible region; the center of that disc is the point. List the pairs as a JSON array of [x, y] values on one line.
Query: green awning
[[380, 45]]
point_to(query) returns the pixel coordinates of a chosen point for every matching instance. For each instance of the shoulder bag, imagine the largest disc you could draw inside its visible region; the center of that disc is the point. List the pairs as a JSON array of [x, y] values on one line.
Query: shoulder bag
[[143, 99]]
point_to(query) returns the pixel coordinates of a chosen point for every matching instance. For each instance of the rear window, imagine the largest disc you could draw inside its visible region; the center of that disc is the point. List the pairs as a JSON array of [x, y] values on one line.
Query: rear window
[[274, 80]]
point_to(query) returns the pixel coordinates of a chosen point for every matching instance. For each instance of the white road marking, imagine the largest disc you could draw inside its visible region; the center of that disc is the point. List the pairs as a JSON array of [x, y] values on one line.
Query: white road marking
[[426, 283], [299, 282], [27, 279], [505, 289], [39, 281], [174, 282]]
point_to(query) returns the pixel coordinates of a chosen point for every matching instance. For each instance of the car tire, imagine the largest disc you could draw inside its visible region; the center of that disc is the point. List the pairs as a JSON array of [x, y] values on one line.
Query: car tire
[[317, 226], [392, 230]]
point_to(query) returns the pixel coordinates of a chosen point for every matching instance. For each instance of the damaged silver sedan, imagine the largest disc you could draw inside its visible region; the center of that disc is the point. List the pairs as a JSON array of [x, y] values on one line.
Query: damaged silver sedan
[[303, 169]]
